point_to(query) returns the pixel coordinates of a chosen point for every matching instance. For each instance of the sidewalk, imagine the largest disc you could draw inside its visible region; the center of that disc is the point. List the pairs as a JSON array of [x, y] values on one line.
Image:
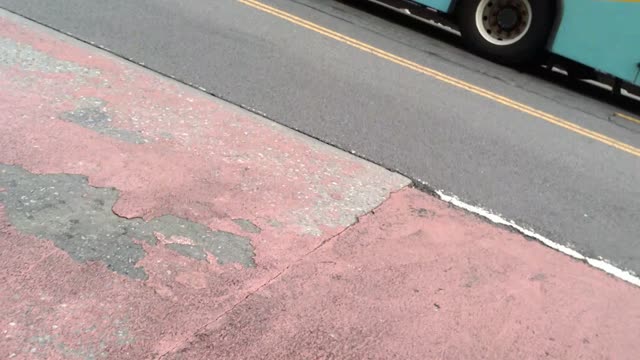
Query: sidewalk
[[142, 219]]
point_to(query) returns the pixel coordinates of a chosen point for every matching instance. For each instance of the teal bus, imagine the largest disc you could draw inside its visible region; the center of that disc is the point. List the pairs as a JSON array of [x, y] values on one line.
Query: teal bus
[[590, 39]]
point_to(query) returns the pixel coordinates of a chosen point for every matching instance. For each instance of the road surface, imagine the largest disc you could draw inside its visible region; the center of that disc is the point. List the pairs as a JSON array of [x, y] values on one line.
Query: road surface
[[571, 188]]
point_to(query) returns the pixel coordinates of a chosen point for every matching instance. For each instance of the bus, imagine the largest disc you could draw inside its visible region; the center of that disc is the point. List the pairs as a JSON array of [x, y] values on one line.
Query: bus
[[589, 39]]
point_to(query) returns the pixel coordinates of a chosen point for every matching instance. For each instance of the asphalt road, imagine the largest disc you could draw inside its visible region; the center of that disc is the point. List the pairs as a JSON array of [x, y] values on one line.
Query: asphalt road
[[567, 187]]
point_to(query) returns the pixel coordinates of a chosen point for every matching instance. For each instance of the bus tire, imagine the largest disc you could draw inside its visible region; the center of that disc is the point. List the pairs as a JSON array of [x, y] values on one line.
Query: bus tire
[[512, 32]]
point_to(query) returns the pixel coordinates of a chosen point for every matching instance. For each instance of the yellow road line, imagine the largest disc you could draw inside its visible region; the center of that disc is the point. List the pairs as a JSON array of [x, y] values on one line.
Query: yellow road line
[[627, 117], [443, 77]]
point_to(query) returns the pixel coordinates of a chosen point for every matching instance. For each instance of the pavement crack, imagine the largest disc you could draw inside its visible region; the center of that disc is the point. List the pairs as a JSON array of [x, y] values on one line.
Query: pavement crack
[[349, 227], [230, 309], [280, 273]]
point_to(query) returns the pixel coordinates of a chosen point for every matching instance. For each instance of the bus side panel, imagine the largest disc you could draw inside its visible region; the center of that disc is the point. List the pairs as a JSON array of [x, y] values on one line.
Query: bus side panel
[[604, 35], [441, 5]]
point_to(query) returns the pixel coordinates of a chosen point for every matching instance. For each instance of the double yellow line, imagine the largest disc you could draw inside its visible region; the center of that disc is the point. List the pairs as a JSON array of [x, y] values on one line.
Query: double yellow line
[[627, 117], [443, 77]]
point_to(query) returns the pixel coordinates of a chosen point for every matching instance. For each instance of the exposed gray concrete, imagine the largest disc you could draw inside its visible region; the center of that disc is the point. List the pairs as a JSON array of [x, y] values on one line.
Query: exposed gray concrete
[[93, 114], [79, 219]]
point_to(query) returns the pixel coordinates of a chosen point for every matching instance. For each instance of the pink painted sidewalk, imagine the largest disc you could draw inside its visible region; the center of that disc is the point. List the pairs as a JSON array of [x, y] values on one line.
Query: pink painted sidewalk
[[142, 219]]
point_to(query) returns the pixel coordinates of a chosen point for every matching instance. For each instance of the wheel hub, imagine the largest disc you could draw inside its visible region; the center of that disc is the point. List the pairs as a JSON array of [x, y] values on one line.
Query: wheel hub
[[508, 18], [503, 22]]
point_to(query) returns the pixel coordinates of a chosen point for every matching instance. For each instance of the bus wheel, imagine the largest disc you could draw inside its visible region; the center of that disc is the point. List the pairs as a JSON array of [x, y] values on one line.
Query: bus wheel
[[507, 31]]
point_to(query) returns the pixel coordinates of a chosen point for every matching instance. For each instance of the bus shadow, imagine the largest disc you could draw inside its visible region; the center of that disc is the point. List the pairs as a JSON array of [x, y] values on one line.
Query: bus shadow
[[405, 21], [588, 89]]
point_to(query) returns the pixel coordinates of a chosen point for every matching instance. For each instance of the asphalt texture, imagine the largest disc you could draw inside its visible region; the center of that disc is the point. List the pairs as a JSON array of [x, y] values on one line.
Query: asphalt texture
[[567, 187]]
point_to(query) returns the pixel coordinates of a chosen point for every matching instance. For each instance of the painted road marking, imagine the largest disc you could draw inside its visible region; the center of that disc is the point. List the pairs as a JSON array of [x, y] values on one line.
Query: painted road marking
[[444, 78], [597, 263], [627, 117]]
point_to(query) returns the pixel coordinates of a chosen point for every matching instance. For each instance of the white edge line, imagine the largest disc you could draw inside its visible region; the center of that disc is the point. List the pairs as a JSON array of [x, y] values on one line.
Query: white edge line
[[497, 219]]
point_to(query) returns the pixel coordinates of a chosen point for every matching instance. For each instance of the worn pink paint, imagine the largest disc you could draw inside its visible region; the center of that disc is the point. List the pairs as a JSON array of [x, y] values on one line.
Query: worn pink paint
[[419, 280], [205, 160]]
